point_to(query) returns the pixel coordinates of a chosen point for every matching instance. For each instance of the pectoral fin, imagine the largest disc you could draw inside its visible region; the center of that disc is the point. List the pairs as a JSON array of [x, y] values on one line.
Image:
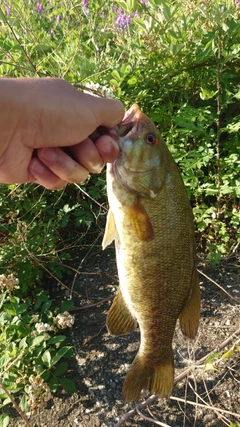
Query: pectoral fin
[[140, 222], [110, 230]]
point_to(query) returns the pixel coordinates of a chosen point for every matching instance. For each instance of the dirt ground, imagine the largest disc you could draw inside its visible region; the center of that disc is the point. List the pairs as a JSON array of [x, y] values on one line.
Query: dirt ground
[[203, 398]]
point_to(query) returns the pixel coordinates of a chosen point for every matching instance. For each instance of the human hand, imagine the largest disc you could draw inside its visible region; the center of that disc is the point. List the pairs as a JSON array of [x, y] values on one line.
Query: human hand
[[49, 132]]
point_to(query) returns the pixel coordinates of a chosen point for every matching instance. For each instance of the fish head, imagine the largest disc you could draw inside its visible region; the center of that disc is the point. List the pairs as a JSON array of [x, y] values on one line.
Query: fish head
[[140, 166]]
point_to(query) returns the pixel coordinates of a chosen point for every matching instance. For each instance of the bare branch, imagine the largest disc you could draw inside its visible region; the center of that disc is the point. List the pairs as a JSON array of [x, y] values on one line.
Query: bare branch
[[205, 405], [15, 405], [154, 421], [219, 286], [85, 307]]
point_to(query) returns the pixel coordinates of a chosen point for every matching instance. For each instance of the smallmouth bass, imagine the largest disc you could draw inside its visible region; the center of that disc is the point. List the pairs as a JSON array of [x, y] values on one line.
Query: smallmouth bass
[[151, 221]]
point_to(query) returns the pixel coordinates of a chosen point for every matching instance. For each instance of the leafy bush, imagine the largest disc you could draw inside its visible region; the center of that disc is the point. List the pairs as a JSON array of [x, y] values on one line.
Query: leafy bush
[[30, 345]]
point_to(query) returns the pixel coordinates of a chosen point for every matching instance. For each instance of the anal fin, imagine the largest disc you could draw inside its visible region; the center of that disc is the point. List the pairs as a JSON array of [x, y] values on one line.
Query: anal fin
[[119, 319], [189, 317]]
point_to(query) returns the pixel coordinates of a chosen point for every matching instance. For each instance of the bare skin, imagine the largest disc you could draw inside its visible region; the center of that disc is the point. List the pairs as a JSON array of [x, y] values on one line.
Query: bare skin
[[49, 132]]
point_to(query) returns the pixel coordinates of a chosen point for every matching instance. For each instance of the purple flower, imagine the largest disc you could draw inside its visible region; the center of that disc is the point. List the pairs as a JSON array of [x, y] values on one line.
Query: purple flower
[[136, 15], [127, 20], [59, 18], [122, 21], [40, 8], [52, 32], [85, 5], [8, 10], [145, 2]]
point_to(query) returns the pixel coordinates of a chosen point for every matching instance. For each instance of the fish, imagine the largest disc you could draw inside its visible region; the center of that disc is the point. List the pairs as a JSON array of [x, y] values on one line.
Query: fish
[[151, 221]]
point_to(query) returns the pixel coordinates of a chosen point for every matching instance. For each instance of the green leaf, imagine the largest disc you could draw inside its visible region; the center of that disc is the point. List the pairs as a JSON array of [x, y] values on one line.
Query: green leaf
[[225, 27], [5, 402], [143, 24], [61, 353], [54, 384], [9, 309], [206, 94], [23, 343], [66, 305], [57, 340], [45, 375], [175, 48], [114, 82], [61, 369], [4, 420], [213, 356], [34, 342], [210, 367], [68, 385], [166, 11], [116, 76], [132, 81], [129, 5], [47, 359], [24, 403], [46, 306], [228, 353], [12, 187], [42, 47]]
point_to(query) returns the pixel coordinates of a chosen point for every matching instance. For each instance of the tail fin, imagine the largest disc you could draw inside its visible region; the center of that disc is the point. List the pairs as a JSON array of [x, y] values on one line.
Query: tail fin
[[189, 317], [143, 376]]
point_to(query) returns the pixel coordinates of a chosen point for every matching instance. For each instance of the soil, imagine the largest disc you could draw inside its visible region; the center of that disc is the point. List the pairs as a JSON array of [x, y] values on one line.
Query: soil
[[102, 362]]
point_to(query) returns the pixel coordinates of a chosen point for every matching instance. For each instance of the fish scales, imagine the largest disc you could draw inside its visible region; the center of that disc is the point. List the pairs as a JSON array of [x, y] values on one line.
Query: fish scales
[[151, 221]]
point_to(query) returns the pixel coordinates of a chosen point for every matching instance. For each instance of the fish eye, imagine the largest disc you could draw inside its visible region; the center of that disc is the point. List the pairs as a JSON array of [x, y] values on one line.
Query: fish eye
[[151, 139]]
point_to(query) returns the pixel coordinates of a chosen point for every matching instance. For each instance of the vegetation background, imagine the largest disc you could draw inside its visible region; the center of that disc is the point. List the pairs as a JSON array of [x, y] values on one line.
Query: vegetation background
[[180, 61]]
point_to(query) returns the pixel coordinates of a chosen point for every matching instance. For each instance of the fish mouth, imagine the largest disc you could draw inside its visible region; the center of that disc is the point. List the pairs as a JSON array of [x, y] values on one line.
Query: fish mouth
[[130, 121], [127, 127]]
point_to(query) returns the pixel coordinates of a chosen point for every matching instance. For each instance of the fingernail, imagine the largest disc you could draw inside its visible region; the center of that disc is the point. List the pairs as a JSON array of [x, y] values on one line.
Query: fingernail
[[49, 154], [37, 167], [113, 131]]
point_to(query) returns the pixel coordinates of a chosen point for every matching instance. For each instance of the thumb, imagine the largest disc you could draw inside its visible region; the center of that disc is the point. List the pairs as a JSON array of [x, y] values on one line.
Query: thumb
[[108, 112]]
